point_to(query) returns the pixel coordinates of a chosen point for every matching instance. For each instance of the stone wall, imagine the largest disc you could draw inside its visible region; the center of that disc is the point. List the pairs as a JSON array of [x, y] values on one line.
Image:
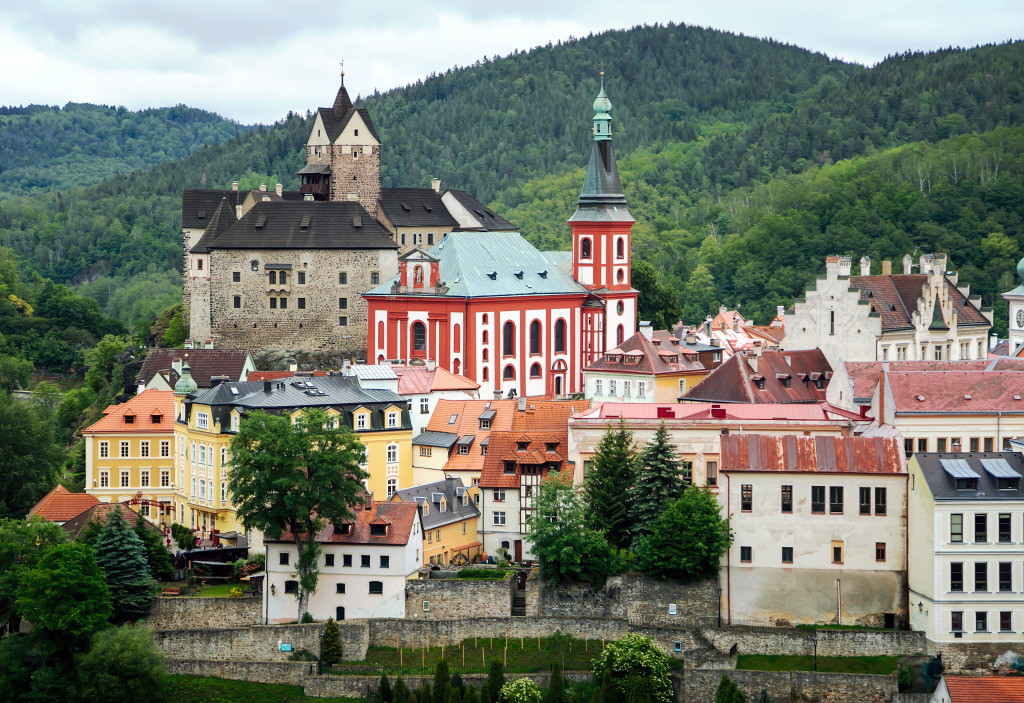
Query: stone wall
[[177, 613], [385, 632], [972, 658], [261, 672], [831, 643], [356, 169], [358, 686], [698, 686], [256, 644], [640, 599], [456, 598]]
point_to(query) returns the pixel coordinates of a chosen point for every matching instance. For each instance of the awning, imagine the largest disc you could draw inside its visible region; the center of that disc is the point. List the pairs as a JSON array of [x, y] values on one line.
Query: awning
[[310, 169]]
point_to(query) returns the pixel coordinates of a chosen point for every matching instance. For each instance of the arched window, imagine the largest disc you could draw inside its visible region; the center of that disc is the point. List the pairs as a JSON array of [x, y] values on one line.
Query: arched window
[[392, 453], [456, 367], [458, 338], [485, 355], [417, 276], [193, 456], [619, 249], [485, 373], [485, 337], [283, 278], [273, 278], [392, 486], [535, 371], [618, 334], [202, 489], [508, 341], [223, 457], [509, 373], [620, 276], [619, 307], [535, 337], [209, 489], [585, 248], [202, 454], [484, 319], [560, 336], [380, 333], [419, 337], [193, 486]]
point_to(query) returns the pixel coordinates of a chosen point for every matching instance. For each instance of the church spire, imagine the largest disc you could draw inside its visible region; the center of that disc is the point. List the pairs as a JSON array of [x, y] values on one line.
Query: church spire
[[342, 102], [601, 197], [602, 120]]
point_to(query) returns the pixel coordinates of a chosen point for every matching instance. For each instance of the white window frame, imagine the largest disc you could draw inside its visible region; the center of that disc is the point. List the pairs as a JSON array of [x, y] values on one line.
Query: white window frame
[[104, 450], [499, 495], [165, 478], [598, 387], [144, 478], [104, 479], [498, 518], [392, 486], [392, 453], [126, 478], [165, 447], [361, 421], [234, 422], [144, 448], [611, 386], [424, 406], [202, 421], [641, 389], [125, 449], [223, 491], [392, 420]]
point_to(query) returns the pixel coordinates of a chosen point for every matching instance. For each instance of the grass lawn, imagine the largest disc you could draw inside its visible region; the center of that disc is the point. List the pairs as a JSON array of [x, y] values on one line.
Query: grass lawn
[[523, 656], [205, 689], [835, 665]]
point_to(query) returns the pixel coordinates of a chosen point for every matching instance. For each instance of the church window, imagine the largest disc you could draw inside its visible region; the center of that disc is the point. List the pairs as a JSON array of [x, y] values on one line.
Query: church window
[[619, 308], [585, 248], [484, 319], [510, 373], [535, 371], [619, 249], [508, 339], [485, 373], [560, 336], [618, 334], [620, 276], [380, 332], [485, 337], [418, 276], [458, 338], [535, 337], [485, 355], [419, 337], [273, 278]]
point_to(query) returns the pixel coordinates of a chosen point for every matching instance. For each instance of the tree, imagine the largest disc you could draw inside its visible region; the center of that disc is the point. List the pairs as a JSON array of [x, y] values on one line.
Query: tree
[[688, 539], [17, 662], [556, 687], [122, 664], [28, 457], [568, 549], [656, 302], [14, 372], [728, 691], [22, 545], [635, 655], [125, 563], [520, 691], [657, 483], [401, 694], [157, 556], [607, 485], [495, 680], [66, 599], [699, 297], [442, 679], [294, 478], [331, 653], [384, 687]]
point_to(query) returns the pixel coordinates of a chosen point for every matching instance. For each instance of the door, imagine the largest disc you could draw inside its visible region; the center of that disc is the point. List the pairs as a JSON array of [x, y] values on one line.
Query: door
[[519, 550], [558, 386]]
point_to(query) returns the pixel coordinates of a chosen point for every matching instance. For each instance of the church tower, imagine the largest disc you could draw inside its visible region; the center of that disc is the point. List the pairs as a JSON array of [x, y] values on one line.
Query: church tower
[[601, 230], [343, 155], [1015, 300]]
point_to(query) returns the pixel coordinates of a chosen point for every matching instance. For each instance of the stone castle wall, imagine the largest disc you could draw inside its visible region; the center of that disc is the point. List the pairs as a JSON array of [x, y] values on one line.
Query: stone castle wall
[[699, 685], [640, 599], [385, 632], [831, 643], [353, 170], [259, 643], [180, 613], [296, 673], [360, 686], [455, 598]]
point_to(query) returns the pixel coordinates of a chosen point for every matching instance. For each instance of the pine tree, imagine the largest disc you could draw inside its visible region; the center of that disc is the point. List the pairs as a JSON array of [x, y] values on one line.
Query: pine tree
[[330, 653], [495, 680], [122, 556], [454, 695], [608, 485], [156, 553], [457, 682], [424, 695], [401, 691], [556, 687], [386, 694], [657, 484], [728, 691], [609, 691], [470, 695], [441, 680]]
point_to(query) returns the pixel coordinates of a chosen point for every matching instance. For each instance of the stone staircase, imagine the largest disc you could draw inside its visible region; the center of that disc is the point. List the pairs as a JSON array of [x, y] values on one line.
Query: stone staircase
[[519, 604]]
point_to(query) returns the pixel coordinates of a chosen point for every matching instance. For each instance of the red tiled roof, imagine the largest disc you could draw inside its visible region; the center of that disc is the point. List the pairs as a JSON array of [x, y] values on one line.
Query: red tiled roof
[[204, 363], [985, 689], [141, 409], [802, 412], [652, 359], [956, 392], [540, 423], [60, 504], [418, 380], [468, 423], [101, 510], [397, 515], [734, 380], [864, 374], [895, 298], [751, 452]]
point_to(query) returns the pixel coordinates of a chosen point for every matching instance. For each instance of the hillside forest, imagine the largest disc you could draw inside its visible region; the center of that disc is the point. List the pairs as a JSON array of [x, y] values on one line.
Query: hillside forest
[[745, 162]]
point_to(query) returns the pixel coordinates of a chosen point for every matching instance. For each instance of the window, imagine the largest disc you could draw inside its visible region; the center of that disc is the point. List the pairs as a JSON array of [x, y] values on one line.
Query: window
[[302, 303], [485, 424], [956, 577], [1005, 576], [981, 527], [499, 519], [865, 501], [385, 562], [712, 471], [989, 442], [361, 419], [535, 337], [392, 486], [956, 528], [787, 555], [392, 453], [124, 449], [880, 501], [437, 535], [611, 386], [560, 336], [236, 276], [104, 450], [817, 499], [284, 303], [425, 451], [508, 339], [376, 587], [509, 468], [165, 478], [328, 560], [956, 621], [619, 254], [463, 449], [339, 588], [835, 499], [343, 303], [745, 554], [682, 386], [1004, 527], [981, 621], [419, 336], [144, 478], [585, 248], [535, 371], [375, 279], [424, 406], [1005, 621], [291, 586], [746, 497], [193, 486], [597, 386], [619, 333], [787, 499], [364, 561], [922, 444], [104, 479], [223, 491], [908, 447], [165, 447], [974, 444], [641, 389], [686, 468], [879, 551], [626, 390], [392, 420], [283, 559], [940, 444], [125, 479], [509, 374], [831, 322], [203, 421], [981, 575], [343, 321], [273, 303], [837, 552], [346, 560], [499, 495], [342, 278]]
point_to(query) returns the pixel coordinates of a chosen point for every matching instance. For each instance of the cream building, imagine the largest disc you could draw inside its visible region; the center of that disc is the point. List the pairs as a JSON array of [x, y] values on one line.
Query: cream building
[[1015, 301], [913, 316]]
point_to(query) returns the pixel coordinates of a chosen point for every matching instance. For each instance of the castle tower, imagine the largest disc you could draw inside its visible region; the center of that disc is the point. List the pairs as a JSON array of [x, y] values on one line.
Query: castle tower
[[601, 230], [343, 155]]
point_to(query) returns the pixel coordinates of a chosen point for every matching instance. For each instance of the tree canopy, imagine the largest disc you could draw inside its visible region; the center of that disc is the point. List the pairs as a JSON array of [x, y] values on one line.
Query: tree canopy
[[687, 539], [29, 458], [658, 482], [123, 557], [608, 483], [23, 543]]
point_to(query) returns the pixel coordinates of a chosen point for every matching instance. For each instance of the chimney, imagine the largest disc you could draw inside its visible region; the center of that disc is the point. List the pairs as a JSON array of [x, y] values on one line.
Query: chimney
[[431, 364], [691, 338], [435, 183], [887, 268], [647, 330], [263, 187], [217, 380], [293, 365], [993, 342], [865, 265], [208, 344], [497, 394], [780, 310], [238, 211], [449, 491], [176, 365], [279, 189], [234, 185], [188, 343], [735, 322], [369, 501], [845, 264], [522, 405], [386, 363], [308, 197], [717, 411], [267, 385], [908, 265]]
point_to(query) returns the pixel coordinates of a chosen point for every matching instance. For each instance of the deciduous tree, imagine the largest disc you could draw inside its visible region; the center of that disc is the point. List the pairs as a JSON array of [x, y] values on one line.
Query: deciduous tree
[[688, 538], [28, 457], [122, 664], [634, 655], [23, 543]]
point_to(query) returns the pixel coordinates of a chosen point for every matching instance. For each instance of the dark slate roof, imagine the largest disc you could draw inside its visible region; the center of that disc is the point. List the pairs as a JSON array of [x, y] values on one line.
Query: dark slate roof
[[204, 363], [489, 220], [601, 199], [199, 204], [331, 225], [943, 486], [415, 207], [431, 493], [335, 118], [429, 438], [895, 298], [101, 512], [223, 218]]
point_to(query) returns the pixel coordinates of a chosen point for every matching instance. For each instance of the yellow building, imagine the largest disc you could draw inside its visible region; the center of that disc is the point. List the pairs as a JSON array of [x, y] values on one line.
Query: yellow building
[[449, 518], [128, 456], [207, 420]]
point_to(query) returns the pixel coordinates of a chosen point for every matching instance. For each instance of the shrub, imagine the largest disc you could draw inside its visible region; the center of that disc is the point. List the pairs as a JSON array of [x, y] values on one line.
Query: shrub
[[306, 619], [123, 664], [520, 691], [302, 655], [331, 651], [235, 593], [495, 574], [636, 655]]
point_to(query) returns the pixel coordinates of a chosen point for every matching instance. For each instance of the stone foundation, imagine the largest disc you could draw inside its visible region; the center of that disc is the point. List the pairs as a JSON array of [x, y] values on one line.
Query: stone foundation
[[177, 613], [699, 685], [247, 644]]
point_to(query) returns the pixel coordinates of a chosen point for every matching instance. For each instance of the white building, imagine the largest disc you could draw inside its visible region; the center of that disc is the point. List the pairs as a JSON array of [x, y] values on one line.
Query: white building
[[363, 568], [820, 530], [913, 316], [1015, 300], [966, 570]]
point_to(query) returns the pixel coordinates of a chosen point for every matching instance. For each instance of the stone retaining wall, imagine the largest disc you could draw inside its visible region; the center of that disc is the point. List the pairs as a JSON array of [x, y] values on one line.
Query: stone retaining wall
[[699, 685], [358, 686], [178, 613], [261, 672], [454, 598], [974, 658], [249, 644], [389, 632], [640, 599], [831, 643]]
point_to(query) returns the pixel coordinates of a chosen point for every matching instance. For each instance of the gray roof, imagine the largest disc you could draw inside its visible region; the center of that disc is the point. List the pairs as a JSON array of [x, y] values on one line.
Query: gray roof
[[415, 207], [376, 372], [432, 492], [483, 264], [199, 204], [430, 438], [222, 220], [489, 220], [942, 483], [601, 199]]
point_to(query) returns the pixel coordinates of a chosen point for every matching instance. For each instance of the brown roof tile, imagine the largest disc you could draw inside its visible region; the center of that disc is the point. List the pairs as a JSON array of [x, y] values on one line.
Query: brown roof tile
[[468, 423], [60, 504], [204, 363], [141, 411], [736, 381], [752, 452], [540, 423], [895, 298], [956, 392], [650, 358], [100, 511], [398, 516], [985, 689]]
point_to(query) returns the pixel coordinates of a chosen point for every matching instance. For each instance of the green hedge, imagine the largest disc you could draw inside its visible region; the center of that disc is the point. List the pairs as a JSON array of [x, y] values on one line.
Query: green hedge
[[496, 574]]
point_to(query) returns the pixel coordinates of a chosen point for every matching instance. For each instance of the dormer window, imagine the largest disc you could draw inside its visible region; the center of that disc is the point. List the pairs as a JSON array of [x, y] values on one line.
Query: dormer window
[[129, 419], [509, 467], [485, 424], [378, 530], [155, 419], [522, 446], [967, 484], [1008, 484], [551, 447], [425, 506], [344, 528], [361, 421], [444, 505]]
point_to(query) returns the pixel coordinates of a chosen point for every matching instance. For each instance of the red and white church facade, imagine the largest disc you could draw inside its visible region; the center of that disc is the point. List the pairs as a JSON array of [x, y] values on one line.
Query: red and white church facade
[[490, 306]]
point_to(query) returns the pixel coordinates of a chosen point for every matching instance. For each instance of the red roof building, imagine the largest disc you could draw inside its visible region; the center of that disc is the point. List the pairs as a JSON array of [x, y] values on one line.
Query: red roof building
[[979, 689], [60, 505], [773, 377]]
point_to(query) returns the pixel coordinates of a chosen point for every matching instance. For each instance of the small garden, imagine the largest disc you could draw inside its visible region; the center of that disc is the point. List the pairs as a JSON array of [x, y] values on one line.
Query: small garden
[[879, 665], [200, 582]]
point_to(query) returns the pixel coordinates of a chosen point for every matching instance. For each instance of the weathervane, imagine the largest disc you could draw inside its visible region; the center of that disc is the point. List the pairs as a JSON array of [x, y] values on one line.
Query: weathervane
[[342, 64]]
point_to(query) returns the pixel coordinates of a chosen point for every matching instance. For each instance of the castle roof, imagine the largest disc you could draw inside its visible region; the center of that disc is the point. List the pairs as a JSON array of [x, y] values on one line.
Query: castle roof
[[223, 218], [199, 204], [337, 117], [486, 219], [415, 207], [203, 363]]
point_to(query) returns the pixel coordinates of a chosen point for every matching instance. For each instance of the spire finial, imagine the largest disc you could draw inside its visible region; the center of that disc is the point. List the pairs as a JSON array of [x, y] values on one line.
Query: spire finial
[[342, 64]]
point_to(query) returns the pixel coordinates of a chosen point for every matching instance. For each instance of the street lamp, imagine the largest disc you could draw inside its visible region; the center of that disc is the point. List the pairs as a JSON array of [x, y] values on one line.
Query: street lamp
[[815, 639]]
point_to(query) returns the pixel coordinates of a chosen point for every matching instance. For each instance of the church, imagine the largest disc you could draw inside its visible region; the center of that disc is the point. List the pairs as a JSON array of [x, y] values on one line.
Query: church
[[489, 306]]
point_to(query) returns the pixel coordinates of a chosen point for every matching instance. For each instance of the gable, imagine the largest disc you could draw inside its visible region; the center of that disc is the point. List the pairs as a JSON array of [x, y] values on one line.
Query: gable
[[356, 132], [318, 133]]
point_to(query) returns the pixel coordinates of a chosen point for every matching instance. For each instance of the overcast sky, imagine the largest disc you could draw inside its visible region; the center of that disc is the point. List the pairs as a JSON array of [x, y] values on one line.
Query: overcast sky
[[253, 61]]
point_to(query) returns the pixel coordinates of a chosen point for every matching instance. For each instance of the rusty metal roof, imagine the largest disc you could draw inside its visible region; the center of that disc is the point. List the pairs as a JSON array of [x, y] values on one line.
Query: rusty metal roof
[[791, 453]]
